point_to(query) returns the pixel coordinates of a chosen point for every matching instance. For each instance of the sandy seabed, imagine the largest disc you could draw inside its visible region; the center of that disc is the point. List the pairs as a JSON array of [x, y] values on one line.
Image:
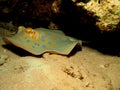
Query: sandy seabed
[[87, 69]]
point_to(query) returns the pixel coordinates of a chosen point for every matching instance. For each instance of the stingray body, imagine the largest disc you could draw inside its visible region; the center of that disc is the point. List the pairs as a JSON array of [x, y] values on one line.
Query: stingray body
[[40, 40]]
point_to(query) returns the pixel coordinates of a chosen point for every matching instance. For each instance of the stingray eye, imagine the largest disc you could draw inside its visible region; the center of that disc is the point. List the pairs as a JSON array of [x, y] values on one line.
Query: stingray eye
[[31, 32]]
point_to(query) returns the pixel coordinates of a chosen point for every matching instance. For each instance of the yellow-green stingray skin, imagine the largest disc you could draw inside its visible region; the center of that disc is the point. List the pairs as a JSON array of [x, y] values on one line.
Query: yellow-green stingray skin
[[40, 40]]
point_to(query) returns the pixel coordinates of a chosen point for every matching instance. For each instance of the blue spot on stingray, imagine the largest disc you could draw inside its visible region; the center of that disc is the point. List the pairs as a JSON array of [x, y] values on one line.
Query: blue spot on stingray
[[33, 46], [38, 44], [57, 42], [44, 47], [55, 48], [49, 42], [35, 43], [48, 35], [28, 41], [43, 40], [25, 37], [42, 37], [51, 48]]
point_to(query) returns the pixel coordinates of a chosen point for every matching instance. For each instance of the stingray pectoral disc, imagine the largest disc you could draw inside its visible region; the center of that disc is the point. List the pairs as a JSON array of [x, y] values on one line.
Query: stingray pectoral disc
[[42, 40]]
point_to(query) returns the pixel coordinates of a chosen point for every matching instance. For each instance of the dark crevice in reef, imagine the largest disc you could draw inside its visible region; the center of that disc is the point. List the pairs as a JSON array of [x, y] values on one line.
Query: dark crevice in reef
[[108, 43]]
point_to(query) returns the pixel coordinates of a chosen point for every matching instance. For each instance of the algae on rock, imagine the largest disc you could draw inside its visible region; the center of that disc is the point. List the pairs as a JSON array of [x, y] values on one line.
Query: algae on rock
[[107, 11]]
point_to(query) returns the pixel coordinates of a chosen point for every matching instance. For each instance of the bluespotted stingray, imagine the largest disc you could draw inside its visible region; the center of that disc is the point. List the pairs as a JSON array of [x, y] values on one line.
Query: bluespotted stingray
[[40, 40]]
